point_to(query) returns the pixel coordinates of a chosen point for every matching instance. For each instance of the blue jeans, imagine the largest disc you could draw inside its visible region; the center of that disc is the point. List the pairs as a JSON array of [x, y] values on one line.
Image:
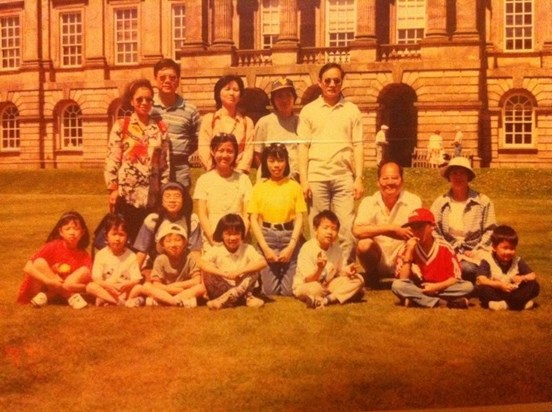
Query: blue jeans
[[338, 196], [405, 288], [277, 277]]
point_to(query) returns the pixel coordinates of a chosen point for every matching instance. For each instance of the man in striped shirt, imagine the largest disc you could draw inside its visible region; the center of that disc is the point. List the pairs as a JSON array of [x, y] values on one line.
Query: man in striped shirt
[[182, 119]]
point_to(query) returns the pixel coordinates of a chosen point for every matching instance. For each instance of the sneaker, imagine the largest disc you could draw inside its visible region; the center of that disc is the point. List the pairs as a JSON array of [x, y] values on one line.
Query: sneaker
[[151, 302], [253, 302], [76, 301], [224, 300], [100, 302], [40, 300], [314, 302], [459, 303], [408, 303], [187, 303], [498, 305], [529, 305], [135, 302]]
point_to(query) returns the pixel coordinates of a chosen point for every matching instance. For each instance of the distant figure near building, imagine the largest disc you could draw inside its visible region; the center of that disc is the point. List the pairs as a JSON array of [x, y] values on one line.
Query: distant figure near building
[[457, 143], [381, 145], [435, 152]]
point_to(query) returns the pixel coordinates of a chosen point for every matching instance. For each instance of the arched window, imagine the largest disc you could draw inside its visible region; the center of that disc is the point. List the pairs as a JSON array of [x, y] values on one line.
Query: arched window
[[10, 128], [518, 121], [71, 127]]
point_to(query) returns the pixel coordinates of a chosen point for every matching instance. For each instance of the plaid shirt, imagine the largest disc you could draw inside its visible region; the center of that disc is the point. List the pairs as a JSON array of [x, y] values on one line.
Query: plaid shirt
[[479, 221]]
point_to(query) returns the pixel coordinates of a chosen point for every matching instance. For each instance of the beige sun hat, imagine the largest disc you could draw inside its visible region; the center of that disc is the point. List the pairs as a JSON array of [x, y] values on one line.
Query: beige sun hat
[[458, 161]]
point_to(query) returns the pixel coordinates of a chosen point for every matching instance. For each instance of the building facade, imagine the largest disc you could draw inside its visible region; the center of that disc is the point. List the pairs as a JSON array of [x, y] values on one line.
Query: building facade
[[481, 66]]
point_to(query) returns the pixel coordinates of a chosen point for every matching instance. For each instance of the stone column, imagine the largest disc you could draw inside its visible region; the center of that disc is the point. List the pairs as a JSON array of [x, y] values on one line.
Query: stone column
[[151, 48], [222, 37], [194, 25], [288, 24], [466, 16], [436, 20], [363, 48], [94, 56]]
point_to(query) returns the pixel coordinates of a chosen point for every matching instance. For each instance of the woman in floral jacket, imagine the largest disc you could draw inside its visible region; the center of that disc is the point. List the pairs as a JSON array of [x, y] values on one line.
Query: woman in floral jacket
[[137, 162]]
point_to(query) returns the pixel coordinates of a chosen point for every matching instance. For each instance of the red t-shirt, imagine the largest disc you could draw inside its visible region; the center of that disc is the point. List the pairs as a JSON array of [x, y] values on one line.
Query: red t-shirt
[[56, 253]]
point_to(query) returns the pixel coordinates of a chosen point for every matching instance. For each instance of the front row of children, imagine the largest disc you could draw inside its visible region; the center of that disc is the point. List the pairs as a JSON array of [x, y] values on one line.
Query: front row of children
[[428, 274]]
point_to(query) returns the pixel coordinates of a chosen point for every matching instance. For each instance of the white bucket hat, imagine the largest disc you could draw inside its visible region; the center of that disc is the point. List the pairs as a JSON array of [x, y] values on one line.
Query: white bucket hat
[[458, 161]]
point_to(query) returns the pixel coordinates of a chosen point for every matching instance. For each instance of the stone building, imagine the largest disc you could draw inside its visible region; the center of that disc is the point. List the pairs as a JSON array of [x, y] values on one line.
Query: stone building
[[484, 66]]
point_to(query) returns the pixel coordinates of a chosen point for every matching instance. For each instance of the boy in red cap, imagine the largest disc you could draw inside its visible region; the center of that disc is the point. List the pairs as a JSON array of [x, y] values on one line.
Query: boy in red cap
[[428, 272]]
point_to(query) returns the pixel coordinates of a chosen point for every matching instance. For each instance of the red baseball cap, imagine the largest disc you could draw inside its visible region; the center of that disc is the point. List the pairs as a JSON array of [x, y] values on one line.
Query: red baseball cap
[[420, 215]]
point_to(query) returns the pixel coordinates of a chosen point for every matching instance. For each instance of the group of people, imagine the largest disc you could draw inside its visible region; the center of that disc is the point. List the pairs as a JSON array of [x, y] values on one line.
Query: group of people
[[159, 252]]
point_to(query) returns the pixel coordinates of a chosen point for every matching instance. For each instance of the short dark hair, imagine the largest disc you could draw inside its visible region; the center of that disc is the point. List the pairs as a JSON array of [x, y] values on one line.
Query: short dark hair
[[504, 233], [277, 150], [231, 222], [132, 87], [166, 64], [222, 82], [223, 138], [388, 163], [329, 66], [326, 214], [115, 220]]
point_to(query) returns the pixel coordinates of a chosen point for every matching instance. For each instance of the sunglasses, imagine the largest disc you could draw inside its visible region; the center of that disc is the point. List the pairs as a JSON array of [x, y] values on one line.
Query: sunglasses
[[327, 81], [169, 78], [141, 100]]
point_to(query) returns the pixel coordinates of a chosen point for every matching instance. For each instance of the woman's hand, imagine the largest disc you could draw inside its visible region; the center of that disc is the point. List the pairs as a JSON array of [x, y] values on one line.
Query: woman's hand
[[113, 195]]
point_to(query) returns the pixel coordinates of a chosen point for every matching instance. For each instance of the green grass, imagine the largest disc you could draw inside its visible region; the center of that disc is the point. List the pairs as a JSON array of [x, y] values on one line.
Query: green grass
[[366, 356]]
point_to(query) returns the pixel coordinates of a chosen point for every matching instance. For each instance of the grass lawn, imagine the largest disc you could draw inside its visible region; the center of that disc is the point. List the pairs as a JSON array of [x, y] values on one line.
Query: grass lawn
[[363, 356]]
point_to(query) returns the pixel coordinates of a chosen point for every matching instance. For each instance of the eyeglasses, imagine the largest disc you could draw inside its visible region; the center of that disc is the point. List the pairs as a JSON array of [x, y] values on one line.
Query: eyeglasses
[[167, 77], [327, 81], [141, 100]]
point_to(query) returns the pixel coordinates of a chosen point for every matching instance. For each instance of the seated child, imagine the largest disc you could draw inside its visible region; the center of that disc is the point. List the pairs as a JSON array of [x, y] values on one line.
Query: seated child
[[504, 280], [428, 271], [175, 277], [321, 279], [115, 272], [61, 267], [231, 268]]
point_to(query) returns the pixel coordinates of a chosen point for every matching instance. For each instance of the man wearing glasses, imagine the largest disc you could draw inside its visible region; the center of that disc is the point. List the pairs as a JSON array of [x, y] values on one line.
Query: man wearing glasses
[[331, 153], [182, 119]]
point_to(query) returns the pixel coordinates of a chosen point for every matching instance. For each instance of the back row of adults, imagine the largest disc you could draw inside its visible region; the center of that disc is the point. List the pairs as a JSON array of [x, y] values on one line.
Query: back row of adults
[[326, 155]]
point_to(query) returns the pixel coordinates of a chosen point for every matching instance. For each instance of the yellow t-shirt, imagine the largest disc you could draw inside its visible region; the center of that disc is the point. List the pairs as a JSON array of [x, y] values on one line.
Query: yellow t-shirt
[[277, 202]]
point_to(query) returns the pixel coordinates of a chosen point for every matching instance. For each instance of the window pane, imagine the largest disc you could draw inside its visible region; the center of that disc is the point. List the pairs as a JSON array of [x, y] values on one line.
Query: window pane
[[10, 42], [518, 30], [126, 35], [518, 122], [71, 127]]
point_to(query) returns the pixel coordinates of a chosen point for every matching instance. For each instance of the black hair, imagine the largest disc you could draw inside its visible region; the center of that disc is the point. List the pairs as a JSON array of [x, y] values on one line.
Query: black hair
[[277, 150], [166, 64], [390, 162], [221, 138], [131, 89], [504, 233], [329, 66], [187, 206], [222, 82], [326, 214], [230, 222], [115, 220], [66, 218]]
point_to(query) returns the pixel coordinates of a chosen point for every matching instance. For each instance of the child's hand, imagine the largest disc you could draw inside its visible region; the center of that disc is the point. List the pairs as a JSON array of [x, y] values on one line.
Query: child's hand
[[508, 287], [321, 259], [271, 256], [232, 275], [286, 253], [350, 270], [429, 288]]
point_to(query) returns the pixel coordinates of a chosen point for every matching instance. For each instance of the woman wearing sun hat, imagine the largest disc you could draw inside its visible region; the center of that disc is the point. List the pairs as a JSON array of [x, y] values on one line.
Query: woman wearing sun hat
[[281, 125], [464, 217]]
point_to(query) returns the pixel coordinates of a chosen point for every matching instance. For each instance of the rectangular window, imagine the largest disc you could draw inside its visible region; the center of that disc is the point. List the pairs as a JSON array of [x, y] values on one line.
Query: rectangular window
[[126, 36], [178, 29], [10, 40], [518, 25], [71, 39], [270, 22], [341, 22], [410, 21]]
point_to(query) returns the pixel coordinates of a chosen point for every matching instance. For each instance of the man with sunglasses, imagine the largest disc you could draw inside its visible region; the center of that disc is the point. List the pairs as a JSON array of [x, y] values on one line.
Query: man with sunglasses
[[181, 118], [331, 153]]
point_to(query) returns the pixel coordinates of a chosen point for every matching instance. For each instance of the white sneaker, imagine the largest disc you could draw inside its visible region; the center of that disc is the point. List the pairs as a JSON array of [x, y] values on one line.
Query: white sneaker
[[253, 302], [76, 301], [40, 300], [529, 305], [151, 302], [187, 303], [498, 305], [135, 302]]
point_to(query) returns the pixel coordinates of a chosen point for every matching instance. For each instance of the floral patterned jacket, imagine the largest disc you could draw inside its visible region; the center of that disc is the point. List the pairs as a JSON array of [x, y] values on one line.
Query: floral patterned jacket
[[134, 156]]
